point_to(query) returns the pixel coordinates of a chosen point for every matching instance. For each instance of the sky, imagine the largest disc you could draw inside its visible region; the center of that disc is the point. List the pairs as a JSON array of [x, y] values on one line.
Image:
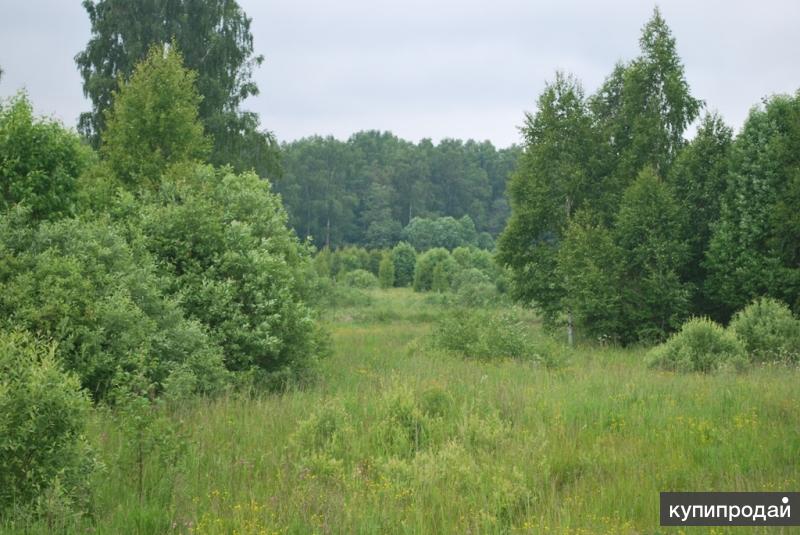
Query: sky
[[435, 68]]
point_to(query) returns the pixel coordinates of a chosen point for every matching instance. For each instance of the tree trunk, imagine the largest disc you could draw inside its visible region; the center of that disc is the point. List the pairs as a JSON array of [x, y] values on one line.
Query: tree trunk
[[570, 329]]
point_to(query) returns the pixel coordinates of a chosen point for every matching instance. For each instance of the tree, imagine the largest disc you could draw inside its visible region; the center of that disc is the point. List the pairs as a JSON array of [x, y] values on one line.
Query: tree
[[154, 122], [40, 161], [591, 265], [223, 243], [44, 420], [555, 177], [216, 42], [405, 258], [81, 285], [386, 271], [317, 189], [754, 248], [699, 178], [426, 266], [645, 106], [649, 230]]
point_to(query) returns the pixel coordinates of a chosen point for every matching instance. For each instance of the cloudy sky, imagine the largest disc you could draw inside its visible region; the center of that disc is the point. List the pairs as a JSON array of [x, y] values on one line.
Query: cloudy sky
[[435, 68]]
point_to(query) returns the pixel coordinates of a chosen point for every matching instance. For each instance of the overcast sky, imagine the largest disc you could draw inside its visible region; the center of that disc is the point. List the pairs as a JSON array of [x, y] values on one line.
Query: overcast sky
[[435, 68]]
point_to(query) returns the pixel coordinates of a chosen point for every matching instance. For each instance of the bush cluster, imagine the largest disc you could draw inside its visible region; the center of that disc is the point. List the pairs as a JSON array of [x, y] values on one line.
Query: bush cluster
[[764, 331], [42, 423], [483, 334]]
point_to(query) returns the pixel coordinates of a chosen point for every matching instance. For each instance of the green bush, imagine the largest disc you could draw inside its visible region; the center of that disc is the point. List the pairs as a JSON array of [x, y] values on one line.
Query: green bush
[[485, 334], [768, 330], [40, 161], [82, 285], [224, 243], [405, 259], [472, 257], [349, 259], [473, 288], [361, 278], [701, 346], [43, 414], [386, 271], [443, 274], [333, 295], [426, 264], [322, 263]]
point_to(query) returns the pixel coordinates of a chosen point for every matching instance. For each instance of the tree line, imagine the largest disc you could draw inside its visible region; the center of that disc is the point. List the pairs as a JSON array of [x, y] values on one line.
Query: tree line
[[368, 189], [621, 227]]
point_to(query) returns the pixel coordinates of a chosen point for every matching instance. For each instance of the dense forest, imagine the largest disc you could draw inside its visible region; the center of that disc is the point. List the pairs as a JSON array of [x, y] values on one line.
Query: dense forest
[[365, 335], [366, 190]]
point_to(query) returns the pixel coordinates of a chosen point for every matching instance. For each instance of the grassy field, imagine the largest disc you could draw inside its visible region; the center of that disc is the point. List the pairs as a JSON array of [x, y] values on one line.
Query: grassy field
[[396, 437]]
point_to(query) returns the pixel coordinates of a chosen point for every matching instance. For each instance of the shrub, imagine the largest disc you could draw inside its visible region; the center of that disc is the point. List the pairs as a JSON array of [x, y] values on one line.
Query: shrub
[[361, 278], [333, 295], [472, 257], [443, 274], [43, 414], [473, 288], [82, 285], [701, 346], [492, 334], [322, 263], [224, 244], [426, 264], [374, 264], [349, 259], [768, 331], [405, 258], [386, 271], [40, 161]]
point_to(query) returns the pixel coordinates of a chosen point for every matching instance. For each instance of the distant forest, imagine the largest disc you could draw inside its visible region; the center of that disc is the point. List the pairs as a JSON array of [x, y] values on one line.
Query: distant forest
[[366, 190]]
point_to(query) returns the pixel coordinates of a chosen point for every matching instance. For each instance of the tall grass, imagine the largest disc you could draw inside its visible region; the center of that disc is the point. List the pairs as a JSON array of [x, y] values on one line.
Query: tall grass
[[396, 437]]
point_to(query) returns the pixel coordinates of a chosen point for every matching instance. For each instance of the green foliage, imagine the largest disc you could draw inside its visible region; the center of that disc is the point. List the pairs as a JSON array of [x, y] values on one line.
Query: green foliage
[[443, 232], [425, 267], [768, 330], [360, 278], [153, 122], [332, 295], [443, 274], [152, 443], [473, 288], [224, 245], [557, 175], [699, 178], [590, 264], [492, 335], [701, 346], [405, 259], [753, 250], [43, 414], [602, 156], [349, 259], [216, 42], [40, 161], [367, 190], [649, 230], [82, 285], [386, 271], [323, 261], [645, 106]]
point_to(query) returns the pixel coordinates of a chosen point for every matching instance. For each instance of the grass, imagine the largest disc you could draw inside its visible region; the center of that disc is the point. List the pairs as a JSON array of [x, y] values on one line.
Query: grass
[[396, 437]]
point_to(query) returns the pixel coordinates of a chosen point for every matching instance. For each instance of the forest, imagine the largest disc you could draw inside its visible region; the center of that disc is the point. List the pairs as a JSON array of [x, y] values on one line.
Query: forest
[[207, 330]]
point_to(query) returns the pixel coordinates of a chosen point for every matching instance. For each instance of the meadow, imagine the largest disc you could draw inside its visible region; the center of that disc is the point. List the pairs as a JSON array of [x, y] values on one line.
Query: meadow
[[396, 436]]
